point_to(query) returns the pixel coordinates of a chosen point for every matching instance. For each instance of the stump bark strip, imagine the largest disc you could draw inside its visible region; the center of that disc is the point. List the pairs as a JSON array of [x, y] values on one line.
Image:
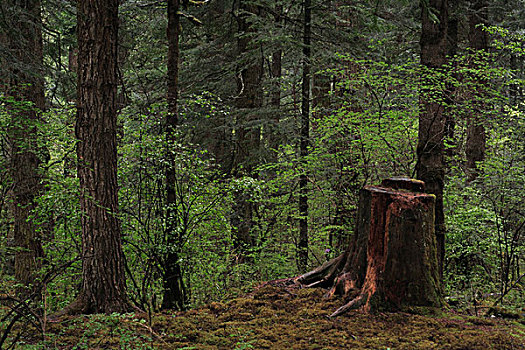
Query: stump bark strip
[[392, 262]]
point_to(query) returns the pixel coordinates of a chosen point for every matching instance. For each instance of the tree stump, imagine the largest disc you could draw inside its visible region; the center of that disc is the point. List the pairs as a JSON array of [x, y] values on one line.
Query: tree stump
[[392, 262]]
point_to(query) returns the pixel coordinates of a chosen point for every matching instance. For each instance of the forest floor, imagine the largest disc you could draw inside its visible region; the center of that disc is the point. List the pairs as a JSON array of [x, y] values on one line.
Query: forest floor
[[275, 318]]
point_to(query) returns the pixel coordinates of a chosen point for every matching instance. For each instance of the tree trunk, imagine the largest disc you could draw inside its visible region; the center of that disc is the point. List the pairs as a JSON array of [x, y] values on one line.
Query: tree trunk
[[103, 279], [391, 263], [450, 116], [321, 93], [175, 296], [302, 246], [273, 134], [479, 44], [22, 81], [430, 166], [248, 102]]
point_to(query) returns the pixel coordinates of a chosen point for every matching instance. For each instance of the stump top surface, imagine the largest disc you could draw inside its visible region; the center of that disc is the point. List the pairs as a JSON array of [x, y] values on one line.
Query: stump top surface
[[404, 183], [382, 189], [394, 191]]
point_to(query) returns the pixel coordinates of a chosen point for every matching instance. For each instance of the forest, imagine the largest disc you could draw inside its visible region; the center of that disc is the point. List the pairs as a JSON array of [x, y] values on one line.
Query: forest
[[188, 174]]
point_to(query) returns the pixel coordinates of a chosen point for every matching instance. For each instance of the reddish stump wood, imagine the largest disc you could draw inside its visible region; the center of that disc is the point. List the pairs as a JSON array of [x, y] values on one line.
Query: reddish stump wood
[[391, 263]]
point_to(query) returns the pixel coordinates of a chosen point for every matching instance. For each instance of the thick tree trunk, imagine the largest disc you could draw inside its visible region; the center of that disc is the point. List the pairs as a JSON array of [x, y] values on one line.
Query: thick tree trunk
[[175, 296], [430, 166], [22, 81], [479, 43], [391, 263], [302, 246], [103, 279]]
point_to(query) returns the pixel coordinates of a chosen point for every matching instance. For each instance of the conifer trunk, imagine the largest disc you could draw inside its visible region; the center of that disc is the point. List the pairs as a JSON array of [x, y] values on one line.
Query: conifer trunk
[[273, 135], [302, 246], [450, 122], [430, 167], [103, 279], [175, 296], [26, 87], [479, 44], [248, 132]]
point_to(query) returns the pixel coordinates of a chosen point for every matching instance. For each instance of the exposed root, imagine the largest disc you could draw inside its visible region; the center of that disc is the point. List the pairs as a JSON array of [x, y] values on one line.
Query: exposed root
[[325, 274], [353, 304], [280, 283], [78, 307], [392, 258], [83, 306]]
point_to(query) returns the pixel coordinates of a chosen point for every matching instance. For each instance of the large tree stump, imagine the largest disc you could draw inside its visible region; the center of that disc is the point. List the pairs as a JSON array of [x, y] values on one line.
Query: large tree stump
[[392, 261]]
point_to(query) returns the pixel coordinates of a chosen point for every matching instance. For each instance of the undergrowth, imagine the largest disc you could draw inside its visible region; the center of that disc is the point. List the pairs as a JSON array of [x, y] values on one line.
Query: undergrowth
[[275, 318]]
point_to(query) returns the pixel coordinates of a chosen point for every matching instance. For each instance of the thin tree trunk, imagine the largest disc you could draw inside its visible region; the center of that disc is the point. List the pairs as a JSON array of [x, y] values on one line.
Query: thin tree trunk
[[175, 296], [430, 166], [321, 92], [476, 138], [450, 121], [515, 91], [302, 246], [103, 278], [274, 139], [248, 102]]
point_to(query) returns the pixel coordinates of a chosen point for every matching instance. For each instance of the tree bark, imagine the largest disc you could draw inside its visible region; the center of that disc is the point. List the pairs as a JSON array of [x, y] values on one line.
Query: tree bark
[[391, 263], [450, 121], [273, 134], [430, 166], [26, 88], [246, 154], [479, 44], [175, 296], [321, 92], [302, 246], [103, 279]]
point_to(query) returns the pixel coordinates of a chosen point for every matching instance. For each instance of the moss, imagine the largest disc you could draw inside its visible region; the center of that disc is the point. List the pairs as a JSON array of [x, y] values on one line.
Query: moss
[[504, 313], [273, 318], [479, 321], [235, 315], [308, 293], [265, 312], [213, 339], [262, 344], [216, 307], [423, 310]]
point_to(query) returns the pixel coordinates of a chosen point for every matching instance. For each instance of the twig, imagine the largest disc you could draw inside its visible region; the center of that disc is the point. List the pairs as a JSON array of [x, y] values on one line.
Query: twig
[[508, 290], [151, 331]]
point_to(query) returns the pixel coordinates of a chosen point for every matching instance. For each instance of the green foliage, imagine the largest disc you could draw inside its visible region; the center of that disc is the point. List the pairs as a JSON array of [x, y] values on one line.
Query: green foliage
[[366, 133], [364, 128], [485, 227]]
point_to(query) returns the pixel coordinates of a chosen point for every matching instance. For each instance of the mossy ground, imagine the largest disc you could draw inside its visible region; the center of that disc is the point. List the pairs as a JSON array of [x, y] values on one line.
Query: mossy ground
[[274, 318]]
